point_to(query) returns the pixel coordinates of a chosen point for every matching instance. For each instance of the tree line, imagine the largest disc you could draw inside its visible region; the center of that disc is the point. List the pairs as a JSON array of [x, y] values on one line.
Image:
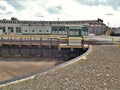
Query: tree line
[[12, 18]]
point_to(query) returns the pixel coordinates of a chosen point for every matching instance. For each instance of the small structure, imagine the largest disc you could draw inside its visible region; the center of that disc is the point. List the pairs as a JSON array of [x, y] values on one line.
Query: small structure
[[73, 34], [70, 31]]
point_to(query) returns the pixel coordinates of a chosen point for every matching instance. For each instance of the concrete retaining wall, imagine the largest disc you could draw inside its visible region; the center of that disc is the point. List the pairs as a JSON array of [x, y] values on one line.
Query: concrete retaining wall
[[64, 53]]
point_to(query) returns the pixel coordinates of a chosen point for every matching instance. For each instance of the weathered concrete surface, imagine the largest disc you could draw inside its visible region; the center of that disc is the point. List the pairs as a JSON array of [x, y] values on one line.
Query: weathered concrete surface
[[12, 67], [100, 70]]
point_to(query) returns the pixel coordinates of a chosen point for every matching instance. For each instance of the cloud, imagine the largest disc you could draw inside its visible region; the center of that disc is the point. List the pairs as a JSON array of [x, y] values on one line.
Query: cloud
[[53, 7], [109, 14], [39, 15], [22, 9], [115, 4], [17, 4], [5, 8], [108, 10], [2, 8], [54, 10]]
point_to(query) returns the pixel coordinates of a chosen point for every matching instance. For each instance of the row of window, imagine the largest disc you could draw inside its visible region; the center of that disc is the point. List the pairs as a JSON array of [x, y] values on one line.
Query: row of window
[[59, 32], [34, 30], [44, 22], [18, 30], [74, 32]]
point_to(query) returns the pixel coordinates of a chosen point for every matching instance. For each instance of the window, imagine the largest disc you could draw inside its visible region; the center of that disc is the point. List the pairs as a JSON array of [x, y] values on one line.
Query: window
[[18, 29], [25, 30], [4, 29], [40, 30], [33, 30], [12, 30], [60, 32], [9, 28], [72, 32], [47, 30]]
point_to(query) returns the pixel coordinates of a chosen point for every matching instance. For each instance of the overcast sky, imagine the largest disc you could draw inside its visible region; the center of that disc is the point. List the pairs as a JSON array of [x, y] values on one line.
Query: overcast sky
[[108, 10]]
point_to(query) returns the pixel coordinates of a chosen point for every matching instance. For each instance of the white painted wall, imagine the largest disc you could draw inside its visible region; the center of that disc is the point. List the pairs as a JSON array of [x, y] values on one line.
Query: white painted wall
[[1, 32]]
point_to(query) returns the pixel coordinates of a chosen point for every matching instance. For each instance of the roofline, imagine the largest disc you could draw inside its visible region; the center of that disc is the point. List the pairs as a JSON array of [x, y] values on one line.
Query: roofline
[[48, 21]]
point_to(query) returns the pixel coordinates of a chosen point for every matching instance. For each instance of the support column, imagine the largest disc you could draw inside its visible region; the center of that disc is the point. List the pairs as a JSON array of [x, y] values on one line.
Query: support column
[[40, 47], [30, 46]]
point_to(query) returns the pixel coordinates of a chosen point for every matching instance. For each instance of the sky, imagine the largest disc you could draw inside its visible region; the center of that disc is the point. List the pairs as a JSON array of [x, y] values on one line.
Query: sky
[[50, 10]]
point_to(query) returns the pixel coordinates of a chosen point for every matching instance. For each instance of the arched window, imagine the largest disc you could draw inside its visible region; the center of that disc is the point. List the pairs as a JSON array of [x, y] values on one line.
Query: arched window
[[60, 32]]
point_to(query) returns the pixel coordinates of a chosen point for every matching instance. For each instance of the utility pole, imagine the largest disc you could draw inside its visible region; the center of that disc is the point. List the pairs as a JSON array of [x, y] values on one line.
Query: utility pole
[[58, 21], [29, 29], [58, 25]]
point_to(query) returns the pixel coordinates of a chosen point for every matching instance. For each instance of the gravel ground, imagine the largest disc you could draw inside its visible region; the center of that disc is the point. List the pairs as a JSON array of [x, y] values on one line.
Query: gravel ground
[[99, 71]]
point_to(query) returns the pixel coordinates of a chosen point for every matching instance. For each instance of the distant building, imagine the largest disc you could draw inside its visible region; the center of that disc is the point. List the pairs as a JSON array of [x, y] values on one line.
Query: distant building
[[115, 32], [44, 27], [118, 30]]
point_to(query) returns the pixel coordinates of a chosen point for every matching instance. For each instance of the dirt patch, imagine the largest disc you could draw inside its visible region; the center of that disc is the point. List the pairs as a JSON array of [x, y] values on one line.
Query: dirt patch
[[11, 67]]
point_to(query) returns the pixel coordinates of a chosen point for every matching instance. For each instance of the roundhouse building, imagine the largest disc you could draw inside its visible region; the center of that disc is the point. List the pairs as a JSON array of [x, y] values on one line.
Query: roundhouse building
[[44, 27]]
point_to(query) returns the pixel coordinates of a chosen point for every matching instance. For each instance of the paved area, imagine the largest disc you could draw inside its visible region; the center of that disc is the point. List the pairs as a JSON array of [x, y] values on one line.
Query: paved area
[[99, 71], [104, 38]]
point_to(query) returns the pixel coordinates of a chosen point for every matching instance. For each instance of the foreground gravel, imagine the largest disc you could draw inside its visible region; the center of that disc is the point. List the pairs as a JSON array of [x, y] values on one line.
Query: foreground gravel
[[99, 71]]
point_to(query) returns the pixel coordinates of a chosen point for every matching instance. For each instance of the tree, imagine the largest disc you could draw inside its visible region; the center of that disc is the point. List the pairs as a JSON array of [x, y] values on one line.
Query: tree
[[14, 18], [4, 19]]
